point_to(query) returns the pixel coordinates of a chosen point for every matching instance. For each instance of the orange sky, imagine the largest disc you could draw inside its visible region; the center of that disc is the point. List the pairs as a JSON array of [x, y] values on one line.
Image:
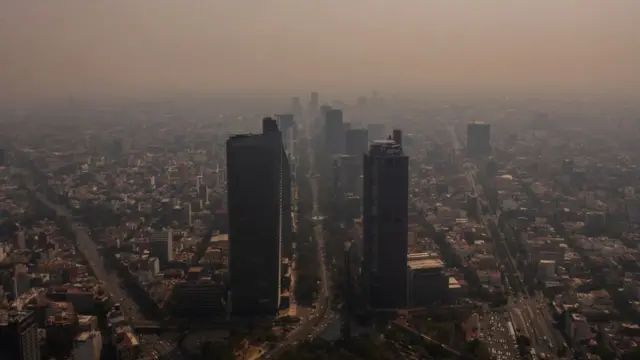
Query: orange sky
[[62, 47]]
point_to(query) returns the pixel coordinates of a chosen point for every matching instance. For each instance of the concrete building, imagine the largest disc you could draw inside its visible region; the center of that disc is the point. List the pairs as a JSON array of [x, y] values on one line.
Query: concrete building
[[289, 130], [546, 269], [357, 142], [19, 335], [256, 219], [334, 133], [478, 139], [161, 246], [87, 346], [397, 136], [314, 101], [426, 281], [385, 218], [199, 299]]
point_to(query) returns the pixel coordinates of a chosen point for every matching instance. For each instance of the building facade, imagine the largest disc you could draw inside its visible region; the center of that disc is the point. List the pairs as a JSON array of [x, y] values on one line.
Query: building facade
[[256, 229], [334, 131], [478, 139], [19, 335], [385, 221]]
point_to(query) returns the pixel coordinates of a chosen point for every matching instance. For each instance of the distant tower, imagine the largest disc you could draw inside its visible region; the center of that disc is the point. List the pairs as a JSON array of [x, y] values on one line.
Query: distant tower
[[296, 106], [357, 142], [289, 130], [334, 132], [385, 220], [188, 213], [478, 139], [313, 104], [397, 136]]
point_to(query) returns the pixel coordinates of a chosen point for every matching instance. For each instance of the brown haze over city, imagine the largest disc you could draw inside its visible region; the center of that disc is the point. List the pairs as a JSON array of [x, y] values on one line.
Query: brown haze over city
[[135, 47]]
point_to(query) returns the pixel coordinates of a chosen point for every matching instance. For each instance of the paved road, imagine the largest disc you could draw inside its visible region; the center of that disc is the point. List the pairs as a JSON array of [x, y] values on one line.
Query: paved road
[[314, 325], [527, 314], [495, 333], [89, 249]]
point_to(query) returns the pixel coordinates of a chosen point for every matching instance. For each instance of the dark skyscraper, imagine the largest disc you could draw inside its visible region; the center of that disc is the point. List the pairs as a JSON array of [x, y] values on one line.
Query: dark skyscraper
[[257, 176], [397, 136], [269, 125], [19, 336], [357, 142], [478, 139], [313, 103], [385, 217], [288, 129], [334, 132]]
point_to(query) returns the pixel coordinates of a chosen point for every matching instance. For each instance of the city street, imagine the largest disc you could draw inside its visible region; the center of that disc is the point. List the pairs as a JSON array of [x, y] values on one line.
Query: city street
[[89, 249], [314, 326], [527, 315]]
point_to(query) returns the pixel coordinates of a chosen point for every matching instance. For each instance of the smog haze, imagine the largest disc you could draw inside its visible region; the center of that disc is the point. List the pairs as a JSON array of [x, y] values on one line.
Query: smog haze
[[57, 48]]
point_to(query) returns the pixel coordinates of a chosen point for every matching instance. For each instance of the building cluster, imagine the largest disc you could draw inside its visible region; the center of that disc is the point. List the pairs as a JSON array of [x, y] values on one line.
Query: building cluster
[[198, 218], [50, 304], [569, 214], [372, 190]]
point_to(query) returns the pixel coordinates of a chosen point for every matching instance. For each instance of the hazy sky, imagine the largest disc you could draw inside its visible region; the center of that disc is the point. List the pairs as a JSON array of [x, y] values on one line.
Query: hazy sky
[[61, 47]]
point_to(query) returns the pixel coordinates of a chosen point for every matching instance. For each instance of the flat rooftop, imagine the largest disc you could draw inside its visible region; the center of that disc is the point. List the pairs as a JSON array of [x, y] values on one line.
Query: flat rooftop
[[220, 237], [425, 264]]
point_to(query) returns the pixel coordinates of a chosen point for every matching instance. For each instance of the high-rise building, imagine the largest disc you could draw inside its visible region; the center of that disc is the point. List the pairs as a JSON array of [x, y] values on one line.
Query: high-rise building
[[478, 139], [270, 125], [324, 109], [285, 122], [296, 106], [397, 136], [320, 119], [255, 170], [385, 221], [346, 174], [199, 296], [288, 128], [189, 214], [286, 207], [427, 283], [161, 246], [314, 101], [19, 335], [334, 132], [357, 142]]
